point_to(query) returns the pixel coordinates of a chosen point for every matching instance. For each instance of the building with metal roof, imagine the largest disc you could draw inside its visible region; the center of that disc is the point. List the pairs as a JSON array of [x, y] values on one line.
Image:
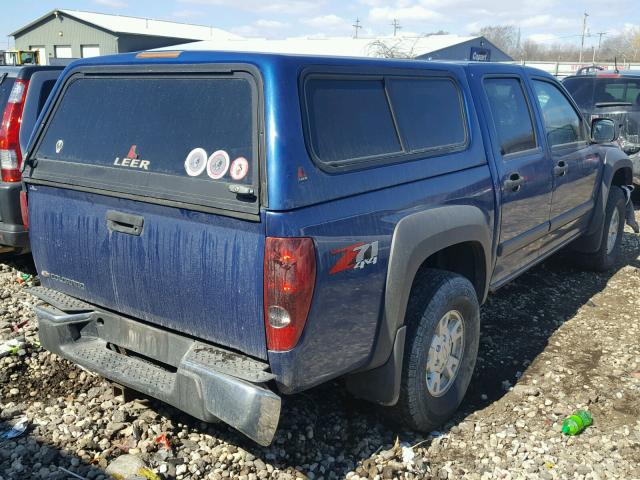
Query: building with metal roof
[[64, 34], [427, 47]]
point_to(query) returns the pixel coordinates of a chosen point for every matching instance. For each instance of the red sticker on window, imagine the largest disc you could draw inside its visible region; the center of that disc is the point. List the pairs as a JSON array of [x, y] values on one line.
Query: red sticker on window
[[239, 168]]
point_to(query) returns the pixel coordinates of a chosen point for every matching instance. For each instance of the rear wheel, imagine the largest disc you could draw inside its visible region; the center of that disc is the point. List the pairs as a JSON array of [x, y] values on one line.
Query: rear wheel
[[614, 218], [443, 329]]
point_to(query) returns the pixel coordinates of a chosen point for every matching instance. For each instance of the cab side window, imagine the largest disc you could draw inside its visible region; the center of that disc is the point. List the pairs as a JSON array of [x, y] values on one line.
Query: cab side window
[[561, 122], [511, 115]]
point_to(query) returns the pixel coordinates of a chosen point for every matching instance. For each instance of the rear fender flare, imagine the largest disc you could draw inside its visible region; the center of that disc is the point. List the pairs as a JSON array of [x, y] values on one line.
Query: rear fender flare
[[415, 239]]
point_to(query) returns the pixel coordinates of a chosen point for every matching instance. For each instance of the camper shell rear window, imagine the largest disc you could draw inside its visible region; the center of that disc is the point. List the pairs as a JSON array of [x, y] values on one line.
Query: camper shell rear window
[[183, 138]]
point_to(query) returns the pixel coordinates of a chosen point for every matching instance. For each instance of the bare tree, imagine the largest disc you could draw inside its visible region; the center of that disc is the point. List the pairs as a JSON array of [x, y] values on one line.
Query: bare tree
[[392, 48], [505, 37], [625, 47]]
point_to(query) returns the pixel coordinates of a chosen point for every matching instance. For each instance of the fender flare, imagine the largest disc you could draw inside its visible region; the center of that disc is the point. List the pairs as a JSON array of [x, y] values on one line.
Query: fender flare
[[416, 237], [615, 160]]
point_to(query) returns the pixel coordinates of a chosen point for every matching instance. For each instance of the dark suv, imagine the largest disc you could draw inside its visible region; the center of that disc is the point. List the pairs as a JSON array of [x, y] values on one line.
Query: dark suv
[[615, 95], [23, 93]]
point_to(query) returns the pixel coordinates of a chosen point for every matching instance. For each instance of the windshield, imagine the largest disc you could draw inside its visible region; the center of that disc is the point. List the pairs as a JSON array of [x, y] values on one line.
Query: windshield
[[598, 92]]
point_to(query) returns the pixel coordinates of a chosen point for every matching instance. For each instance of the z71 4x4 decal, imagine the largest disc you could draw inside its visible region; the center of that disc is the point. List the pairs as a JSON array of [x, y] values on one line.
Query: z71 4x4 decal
[[355, 256]]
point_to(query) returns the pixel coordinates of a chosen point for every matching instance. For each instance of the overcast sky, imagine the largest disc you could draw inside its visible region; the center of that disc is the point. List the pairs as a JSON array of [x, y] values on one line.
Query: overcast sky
[[541, 20]]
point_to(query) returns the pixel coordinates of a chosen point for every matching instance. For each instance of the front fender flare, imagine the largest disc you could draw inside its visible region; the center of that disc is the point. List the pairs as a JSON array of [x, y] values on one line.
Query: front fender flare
[[615, 160]]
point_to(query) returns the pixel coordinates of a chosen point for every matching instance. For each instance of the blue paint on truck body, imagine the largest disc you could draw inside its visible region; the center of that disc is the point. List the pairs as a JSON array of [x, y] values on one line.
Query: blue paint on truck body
[[200, 273]]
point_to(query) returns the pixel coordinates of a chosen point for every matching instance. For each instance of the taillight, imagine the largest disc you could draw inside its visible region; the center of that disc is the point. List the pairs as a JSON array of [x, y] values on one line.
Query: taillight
[[10, 154], [24, 208], [289, 279]]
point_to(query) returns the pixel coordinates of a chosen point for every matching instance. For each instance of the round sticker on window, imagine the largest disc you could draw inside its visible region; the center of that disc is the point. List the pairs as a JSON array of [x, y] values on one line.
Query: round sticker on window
[[218, 164], [59, 145], [196, 162], [239, 168]]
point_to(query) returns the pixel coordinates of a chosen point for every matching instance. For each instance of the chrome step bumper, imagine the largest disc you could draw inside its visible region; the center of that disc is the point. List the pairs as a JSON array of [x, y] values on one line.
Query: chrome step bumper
[[205, 381]]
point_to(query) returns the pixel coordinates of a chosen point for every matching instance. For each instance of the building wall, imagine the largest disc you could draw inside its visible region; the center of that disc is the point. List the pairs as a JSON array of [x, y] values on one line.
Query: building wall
[[74, 34], [462, 51]]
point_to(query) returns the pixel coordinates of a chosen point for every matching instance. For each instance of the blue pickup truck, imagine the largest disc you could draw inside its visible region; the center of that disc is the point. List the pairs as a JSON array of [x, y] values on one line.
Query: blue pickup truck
[[218, 230]]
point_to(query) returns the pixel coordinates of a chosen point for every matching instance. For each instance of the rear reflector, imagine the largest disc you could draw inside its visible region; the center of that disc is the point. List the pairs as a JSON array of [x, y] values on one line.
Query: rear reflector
[[10, 154], [289, 280], [24, 208]]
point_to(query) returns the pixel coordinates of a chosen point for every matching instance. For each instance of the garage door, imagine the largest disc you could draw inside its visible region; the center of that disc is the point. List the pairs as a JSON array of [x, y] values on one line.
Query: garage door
[[63, 51], [90, 51]]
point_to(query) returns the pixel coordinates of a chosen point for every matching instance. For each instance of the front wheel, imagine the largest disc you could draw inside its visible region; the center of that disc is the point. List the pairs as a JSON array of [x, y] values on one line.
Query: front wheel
[[443, 329], [614, 218]]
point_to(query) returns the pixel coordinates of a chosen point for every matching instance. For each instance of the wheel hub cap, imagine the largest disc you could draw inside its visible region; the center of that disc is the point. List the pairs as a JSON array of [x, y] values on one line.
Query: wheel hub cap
[[612, 235], [445, 353]]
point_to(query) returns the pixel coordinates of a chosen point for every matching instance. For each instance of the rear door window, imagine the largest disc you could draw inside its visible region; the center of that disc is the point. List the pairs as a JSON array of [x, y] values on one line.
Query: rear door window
[[6, 83], [185, 139], [511, 115]]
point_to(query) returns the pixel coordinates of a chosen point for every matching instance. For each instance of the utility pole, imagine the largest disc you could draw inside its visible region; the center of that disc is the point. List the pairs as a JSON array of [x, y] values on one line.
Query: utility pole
[[600, 34], [357, 27], [396, 26], [584, 30]]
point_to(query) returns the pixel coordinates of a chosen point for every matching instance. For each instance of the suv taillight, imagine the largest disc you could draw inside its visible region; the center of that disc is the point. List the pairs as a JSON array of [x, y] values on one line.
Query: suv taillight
[[289, 280], [10, 154]]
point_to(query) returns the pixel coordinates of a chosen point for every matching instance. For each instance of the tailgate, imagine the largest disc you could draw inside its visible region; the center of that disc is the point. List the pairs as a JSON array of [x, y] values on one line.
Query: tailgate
[[144, 199]]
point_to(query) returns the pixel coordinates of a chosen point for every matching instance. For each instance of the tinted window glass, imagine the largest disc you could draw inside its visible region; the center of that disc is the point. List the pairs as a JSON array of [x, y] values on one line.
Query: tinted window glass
[[103, 121], [511, 114], [349, 119], [429, 112], [561, 122], [596, 92], [5, 90]]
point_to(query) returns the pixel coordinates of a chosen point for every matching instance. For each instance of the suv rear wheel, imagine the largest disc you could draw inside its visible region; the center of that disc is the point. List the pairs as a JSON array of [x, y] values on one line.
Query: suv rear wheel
[[443, 329]]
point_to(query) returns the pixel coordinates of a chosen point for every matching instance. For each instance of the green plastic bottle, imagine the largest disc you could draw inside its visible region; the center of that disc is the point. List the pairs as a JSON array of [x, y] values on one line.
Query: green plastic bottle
[[576, 423]]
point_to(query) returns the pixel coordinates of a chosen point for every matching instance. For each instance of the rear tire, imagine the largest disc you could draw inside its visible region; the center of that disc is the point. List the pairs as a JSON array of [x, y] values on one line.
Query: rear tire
[[443, 330], [614, 219]]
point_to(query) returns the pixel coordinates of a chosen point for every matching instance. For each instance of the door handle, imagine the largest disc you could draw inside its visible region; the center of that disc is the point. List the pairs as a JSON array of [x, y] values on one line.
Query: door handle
[[124, 222], [514, 182], [561, 168]]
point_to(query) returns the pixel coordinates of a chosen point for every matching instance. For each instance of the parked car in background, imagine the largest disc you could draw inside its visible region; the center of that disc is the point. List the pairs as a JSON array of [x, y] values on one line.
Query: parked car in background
[[23, 93], [233, 227], [615, 95]]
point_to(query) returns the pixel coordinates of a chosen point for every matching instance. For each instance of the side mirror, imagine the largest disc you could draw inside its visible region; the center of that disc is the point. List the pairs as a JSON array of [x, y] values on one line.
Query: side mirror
[[603, 130]]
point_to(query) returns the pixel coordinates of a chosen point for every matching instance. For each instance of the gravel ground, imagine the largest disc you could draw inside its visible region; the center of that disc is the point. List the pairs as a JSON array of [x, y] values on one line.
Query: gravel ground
[[555, 340]]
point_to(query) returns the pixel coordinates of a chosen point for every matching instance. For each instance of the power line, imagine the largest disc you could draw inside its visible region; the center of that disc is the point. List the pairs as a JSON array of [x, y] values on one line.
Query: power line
[[595, 53], [396, 26], [357, 27], [584, 29]]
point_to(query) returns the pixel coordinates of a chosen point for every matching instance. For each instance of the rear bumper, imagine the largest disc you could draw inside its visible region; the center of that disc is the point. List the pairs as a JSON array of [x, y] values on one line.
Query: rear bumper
[[203, 380], [12, 232]]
